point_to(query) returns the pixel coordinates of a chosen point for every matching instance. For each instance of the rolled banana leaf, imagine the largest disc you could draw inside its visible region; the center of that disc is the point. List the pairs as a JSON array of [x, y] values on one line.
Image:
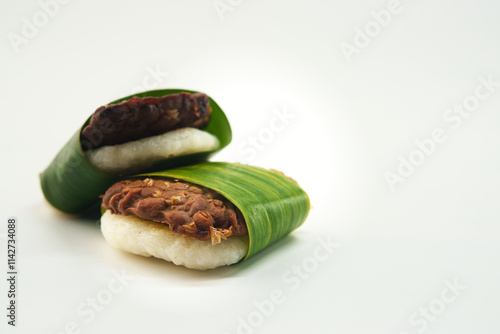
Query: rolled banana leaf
[[71, 184], [272, 204]]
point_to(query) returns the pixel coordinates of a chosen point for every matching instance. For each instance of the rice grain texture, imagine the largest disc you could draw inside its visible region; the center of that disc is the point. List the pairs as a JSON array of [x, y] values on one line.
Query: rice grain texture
[[147, 238], [139, 154]]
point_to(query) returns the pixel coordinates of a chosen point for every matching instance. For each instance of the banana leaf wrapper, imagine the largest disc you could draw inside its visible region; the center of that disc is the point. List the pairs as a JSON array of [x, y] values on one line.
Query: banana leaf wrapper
[[272, 204], [71, 184]]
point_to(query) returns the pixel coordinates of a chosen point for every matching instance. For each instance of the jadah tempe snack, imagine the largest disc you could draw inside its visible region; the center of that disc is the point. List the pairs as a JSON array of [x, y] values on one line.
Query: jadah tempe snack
[[202, 216], [146, 132], [132, 135]]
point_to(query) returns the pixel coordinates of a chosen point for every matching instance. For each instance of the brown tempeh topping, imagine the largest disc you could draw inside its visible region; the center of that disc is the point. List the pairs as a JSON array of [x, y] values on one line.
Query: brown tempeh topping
[[144, 117], [190, 210]]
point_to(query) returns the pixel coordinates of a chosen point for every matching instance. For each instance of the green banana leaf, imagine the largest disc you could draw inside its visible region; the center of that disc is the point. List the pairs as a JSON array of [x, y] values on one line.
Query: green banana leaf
[[272, 204], [71, 184]]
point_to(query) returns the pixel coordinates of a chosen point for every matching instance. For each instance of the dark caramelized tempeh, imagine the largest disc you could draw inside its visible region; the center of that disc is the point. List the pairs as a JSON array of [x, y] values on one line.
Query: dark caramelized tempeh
[[139, 118]]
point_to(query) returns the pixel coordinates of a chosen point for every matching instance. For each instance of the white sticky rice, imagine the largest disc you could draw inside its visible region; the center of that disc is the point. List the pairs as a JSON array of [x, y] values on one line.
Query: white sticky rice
[[135, 155], [147, 238]]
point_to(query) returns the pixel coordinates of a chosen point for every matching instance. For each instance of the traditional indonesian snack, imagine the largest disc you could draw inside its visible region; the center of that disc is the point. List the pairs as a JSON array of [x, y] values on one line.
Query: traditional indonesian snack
[[202, 216], [151, 131], [175, 221], [132, 135]]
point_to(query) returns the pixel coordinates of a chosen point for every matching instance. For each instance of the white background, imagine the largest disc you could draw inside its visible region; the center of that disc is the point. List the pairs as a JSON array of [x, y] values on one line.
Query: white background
[[352, 118]]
